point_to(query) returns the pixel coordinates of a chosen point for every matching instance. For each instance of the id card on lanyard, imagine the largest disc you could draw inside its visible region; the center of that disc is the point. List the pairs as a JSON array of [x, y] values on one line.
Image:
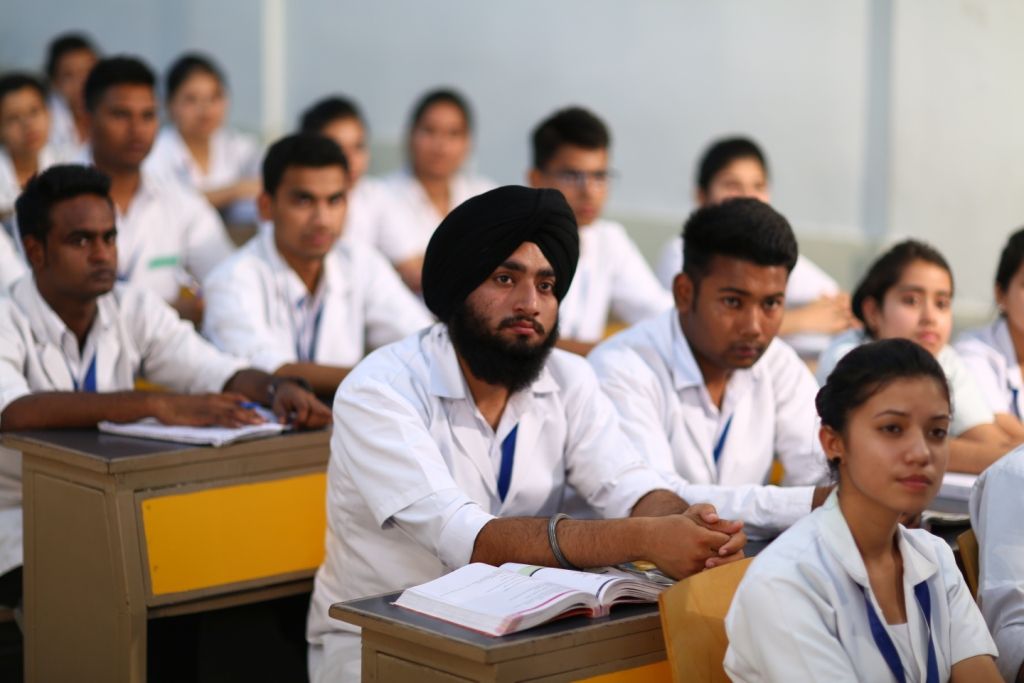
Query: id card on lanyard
[[884, 642]]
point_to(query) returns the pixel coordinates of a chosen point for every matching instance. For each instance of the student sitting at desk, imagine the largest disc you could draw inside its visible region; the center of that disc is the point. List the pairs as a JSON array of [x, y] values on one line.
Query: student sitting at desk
[[457, 444], [440, 135], [73, 341], [289, 301], [996, 510], [908, 292], [992, 353], [198, 150], [24, 126], [366, 200], [570, 154], [70, 58], [815, 307], [169, 237], [707, 391], [849, 594]]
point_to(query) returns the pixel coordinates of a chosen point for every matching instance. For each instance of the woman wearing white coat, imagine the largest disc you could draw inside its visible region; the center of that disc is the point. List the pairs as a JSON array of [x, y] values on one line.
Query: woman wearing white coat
[[848, 594]]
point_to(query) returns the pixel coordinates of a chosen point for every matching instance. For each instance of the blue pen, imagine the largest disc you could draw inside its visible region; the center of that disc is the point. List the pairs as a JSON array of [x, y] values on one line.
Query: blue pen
[[251, 405]]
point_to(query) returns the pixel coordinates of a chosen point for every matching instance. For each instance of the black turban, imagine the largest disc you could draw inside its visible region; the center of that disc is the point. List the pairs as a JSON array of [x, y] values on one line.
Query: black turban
[[479, 234]]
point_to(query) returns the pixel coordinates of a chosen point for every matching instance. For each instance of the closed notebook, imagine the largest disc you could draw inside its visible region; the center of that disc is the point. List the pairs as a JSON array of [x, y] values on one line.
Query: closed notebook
[[151, 428], [515, 597]]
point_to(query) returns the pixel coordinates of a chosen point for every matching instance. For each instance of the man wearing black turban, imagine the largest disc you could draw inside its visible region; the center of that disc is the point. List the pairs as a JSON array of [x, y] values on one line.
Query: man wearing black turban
[[458, 444]]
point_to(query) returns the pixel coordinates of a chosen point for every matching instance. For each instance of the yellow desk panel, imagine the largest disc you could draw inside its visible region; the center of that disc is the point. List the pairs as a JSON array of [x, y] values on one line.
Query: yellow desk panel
[[652, 673], [234, 533]]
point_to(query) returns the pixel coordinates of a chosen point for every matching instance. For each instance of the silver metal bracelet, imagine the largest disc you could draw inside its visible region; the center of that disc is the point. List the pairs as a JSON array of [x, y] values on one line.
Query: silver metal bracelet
[[553, 541]]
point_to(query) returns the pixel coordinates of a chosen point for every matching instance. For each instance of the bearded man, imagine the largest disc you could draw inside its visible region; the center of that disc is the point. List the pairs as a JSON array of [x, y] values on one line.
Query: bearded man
[[457, 444]]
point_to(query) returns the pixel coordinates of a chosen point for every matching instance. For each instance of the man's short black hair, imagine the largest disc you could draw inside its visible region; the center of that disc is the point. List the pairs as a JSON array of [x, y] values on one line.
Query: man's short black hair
[[114, 71], [441, 96], [723, 152], [186, 66], [64, 44], [13, 82], [302, 149], [571, 126], [741, 228], [328, 110], [56, 184]]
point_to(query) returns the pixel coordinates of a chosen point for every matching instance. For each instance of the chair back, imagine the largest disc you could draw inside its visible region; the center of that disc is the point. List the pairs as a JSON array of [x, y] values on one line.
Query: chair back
[[693, 622], [967, 542]]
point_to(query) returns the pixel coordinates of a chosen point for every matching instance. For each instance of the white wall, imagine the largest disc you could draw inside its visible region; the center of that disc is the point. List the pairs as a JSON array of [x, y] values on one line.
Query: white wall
[[880, 117]]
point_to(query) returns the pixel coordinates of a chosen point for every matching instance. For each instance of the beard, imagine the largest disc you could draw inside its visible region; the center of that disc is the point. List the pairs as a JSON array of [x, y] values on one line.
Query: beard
[[493, 359]]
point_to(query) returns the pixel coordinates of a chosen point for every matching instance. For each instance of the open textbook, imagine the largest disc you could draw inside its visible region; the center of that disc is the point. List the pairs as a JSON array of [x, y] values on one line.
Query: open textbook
[[151, 428], [515, 597]]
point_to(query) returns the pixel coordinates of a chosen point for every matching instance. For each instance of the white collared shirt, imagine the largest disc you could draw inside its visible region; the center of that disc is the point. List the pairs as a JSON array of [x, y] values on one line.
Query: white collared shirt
[[990, 358], [799, 613], [996, 511], [169, 237], [611, 277], [807, 283], [258, 308], [12, 265], [234, 156], [413, 474], [970, 408], [63, 132], [411, 216], [10, 189], [135, 334], [767, 412], [367, 206]]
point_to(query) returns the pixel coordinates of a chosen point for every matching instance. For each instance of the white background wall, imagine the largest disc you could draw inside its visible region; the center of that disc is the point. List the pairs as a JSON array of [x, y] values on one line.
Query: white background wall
[[881, 118]]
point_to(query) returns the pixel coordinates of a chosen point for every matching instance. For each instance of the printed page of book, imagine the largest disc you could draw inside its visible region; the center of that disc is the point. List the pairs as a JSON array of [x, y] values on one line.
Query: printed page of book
[[493, 600]]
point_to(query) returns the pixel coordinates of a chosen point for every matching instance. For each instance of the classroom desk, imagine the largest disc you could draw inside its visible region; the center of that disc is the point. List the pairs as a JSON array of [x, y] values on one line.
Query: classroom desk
[[400, 645], [120, 530]]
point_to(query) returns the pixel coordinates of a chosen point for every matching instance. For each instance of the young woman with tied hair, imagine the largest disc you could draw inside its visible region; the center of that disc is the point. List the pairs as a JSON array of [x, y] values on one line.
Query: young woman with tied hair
[[848, 593]]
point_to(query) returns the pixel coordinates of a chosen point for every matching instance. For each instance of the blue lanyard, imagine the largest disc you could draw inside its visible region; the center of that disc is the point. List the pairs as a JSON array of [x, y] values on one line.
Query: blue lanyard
[[1016, 409], [888, 648], [306, 355], [89, 384], [717, 452], [508, 456]]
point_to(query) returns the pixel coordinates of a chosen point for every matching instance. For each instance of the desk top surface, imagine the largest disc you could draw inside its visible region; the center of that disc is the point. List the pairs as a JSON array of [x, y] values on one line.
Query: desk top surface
[[93, 449], [378, 610]]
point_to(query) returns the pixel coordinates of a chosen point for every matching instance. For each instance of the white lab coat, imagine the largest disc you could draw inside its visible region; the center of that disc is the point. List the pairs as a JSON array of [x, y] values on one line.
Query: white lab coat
[[799, 613], [611, 277], [970, 408], [367, 206], [254, 302], [63, 133], [9, 187], [988, 354], [135, 334], [234, 156], [652, 378], [12, 265], [169, 237], [996, 511], [411, 217], [806, 284], [413, 471]]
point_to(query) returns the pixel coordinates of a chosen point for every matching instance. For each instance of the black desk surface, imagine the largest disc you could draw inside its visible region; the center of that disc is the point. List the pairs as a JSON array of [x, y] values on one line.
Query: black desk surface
[[380, 607], [94, 449]]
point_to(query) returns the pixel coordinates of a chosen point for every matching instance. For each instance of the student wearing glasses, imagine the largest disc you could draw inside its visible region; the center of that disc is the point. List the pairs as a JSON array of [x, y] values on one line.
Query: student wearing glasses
[[570, 154]]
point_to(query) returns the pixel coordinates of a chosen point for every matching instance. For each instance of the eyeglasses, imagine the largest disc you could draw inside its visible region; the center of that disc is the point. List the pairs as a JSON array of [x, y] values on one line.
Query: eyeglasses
[[579, 179]]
